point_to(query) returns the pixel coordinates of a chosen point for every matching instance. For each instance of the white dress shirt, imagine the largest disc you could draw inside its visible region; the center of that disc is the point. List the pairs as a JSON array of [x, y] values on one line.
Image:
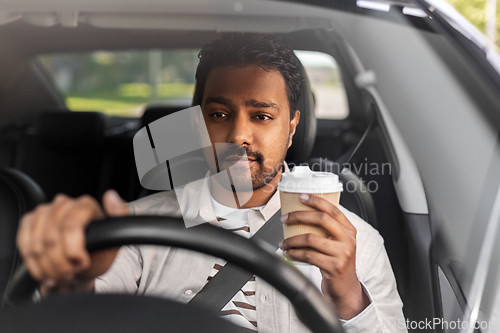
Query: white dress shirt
[[180, 274]]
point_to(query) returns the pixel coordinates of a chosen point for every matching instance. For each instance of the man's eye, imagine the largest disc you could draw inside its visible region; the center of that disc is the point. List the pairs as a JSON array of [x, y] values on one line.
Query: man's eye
[[218, 115], [263, 117]]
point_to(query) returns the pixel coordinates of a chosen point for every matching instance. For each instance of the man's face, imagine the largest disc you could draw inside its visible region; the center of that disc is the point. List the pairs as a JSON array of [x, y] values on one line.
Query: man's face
[[248, 107]]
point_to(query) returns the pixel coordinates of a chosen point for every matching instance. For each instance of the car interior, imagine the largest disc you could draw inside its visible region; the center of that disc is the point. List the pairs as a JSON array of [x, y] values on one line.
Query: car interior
[[79, 153], [47, 149]]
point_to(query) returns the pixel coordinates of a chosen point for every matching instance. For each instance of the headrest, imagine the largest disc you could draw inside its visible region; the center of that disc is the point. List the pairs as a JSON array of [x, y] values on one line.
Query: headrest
[[63, 130], [305, 134], [155, 112]]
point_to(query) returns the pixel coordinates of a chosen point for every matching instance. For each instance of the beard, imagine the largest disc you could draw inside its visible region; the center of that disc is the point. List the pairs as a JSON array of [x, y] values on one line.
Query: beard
[[249, 176]]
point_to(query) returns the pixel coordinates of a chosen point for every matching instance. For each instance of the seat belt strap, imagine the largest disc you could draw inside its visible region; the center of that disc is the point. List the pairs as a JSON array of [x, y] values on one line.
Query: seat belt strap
[[230, 279], [346, 157]]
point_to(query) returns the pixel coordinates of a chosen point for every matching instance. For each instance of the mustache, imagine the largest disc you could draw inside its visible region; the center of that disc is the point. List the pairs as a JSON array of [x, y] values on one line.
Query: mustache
[[235, 150]]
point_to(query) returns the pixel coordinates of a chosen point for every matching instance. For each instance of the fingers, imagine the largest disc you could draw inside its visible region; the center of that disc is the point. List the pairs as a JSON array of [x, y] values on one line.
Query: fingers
[[312, 257], [37, 245], [51, 239], [114, 205], [72, 230], [329, 265], [55, 264], [320, 244], [24, 244]]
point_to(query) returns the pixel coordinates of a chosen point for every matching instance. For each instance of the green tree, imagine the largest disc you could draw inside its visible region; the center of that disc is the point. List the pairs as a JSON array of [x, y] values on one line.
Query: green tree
[[475, 12]]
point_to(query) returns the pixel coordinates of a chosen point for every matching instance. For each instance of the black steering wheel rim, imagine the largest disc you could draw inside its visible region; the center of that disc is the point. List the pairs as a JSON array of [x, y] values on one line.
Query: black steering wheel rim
[[257, 257]]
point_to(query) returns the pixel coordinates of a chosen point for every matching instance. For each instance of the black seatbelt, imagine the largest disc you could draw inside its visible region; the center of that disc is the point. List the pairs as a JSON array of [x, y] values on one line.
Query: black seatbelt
[[346, 157], [230, 279]]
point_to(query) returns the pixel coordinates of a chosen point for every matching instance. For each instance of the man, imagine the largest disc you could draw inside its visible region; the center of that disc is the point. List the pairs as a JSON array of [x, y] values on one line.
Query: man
[[247, 87]]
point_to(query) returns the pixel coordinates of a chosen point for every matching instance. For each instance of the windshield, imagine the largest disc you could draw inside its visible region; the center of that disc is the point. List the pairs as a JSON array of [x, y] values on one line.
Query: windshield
[[395, 97]]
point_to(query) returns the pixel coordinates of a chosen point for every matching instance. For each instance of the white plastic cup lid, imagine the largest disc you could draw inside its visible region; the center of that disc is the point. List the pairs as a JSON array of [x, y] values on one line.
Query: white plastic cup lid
[[302, 180]]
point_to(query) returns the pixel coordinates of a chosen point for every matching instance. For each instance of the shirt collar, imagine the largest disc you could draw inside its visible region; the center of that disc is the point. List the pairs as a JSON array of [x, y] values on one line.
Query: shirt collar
[[194, 200], [197, 201]]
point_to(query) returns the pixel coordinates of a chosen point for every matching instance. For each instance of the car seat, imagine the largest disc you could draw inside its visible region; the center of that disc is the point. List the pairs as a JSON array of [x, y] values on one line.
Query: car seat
[[155, 112], [355, 196], [65, 153]]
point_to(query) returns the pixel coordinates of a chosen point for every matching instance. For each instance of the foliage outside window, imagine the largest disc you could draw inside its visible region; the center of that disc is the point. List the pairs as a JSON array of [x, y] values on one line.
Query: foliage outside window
[[475, 12]]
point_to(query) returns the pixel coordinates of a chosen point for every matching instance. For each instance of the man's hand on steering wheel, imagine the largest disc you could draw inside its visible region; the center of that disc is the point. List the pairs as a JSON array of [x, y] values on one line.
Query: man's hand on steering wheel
[[51, 240]]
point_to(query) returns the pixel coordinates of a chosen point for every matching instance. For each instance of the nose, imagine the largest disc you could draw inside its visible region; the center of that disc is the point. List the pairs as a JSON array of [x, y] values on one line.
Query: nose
[[241, 131]]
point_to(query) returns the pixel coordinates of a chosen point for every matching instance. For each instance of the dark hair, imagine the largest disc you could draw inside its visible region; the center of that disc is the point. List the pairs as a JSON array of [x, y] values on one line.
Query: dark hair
[[269, 52]]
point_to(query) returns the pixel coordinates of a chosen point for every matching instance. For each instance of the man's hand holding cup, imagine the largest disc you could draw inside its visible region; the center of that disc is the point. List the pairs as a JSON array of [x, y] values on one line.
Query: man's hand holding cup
[[318, 233]]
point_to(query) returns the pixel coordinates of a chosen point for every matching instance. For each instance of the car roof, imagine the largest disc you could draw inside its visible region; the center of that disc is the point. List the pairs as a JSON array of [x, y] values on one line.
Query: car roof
[[223, 15]]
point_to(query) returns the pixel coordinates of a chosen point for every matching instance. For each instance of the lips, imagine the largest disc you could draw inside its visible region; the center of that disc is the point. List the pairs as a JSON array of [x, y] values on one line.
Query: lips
[[235, 158]]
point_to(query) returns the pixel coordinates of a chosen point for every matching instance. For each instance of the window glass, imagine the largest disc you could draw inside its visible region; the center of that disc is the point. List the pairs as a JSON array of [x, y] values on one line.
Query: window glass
[[326, 84], [122, 83]]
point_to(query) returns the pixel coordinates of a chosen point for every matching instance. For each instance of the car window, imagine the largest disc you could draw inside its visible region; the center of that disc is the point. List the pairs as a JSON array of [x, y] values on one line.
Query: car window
[[121, 83], [326, 84]]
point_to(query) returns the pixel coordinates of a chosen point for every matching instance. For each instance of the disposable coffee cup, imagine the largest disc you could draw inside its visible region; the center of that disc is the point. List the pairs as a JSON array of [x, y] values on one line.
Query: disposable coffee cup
[[300, 180]]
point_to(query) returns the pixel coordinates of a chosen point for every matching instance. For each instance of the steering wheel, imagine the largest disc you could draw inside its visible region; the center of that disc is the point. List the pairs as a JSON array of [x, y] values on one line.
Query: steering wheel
[[257, 257]]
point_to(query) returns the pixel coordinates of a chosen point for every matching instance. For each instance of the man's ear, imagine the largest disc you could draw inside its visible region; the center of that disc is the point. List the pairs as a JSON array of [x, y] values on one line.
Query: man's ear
[[293, 126]]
